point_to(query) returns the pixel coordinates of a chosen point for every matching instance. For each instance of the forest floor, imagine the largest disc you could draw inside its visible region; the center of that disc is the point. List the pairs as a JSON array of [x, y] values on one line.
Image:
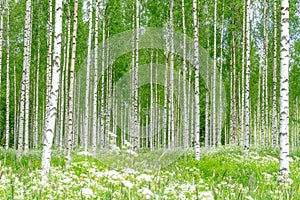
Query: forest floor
[[222, 173]]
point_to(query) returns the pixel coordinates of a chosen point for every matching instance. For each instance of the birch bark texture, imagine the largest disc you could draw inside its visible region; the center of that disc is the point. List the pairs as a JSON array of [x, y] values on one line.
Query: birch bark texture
[[247, 87], [197, 92], [51, 112], [284, 168]]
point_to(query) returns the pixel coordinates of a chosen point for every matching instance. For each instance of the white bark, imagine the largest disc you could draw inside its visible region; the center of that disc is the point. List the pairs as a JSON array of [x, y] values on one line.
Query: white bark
[[28, 32], [53, 99], [95, 87], [185, 112], [171, 83], [243, 77], [221, 79], [214, 90], [197, 94], [165, 118], [247, 94], [274, 111], [284, 168], [87, 79], [71, 89], [36, 118], [7, 128], [102, 84]]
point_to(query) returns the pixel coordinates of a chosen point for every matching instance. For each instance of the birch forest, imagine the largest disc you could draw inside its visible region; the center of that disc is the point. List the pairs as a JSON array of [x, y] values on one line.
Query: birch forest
[[149, 99]]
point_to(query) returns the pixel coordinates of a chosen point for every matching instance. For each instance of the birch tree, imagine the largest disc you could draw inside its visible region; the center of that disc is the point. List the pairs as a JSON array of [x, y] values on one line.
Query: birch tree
[[171, 85], [95, 87], [87, 86], [197, 94], [7, 128], [51, 107], [274, 111], [247, 94], [25, 84], [71, 89], [185, 112], [214, 90], [284, 168]]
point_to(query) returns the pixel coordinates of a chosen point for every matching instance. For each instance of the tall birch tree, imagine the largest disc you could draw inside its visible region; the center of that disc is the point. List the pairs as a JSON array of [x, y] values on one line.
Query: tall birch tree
[[284, 168], [247, 94], [197, 91], [52, 104]]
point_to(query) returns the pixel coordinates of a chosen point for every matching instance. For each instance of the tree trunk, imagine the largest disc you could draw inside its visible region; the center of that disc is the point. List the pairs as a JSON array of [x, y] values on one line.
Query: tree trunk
[[247, 94], [95, 121], [197, 91], [7, 128], [274, 113], [284, 168], [53, 99]]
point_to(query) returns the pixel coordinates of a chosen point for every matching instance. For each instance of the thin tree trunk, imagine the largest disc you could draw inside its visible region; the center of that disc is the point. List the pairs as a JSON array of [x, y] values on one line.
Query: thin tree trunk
[[221, 80], [51, 114], [214, 89], [36, 121], [185, 112], [95, 121], [87, 86], [28, 29], [242, 124], [165, 119], [274, 113], [7, 128], [284, 168], [247, 94], [197, 91]]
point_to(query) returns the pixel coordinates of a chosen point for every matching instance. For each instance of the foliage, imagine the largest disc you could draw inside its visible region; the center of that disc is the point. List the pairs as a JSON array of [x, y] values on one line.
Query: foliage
[[223, 173]]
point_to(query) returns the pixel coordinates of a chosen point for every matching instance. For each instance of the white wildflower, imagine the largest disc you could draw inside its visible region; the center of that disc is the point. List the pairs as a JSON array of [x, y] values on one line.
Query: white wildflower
[[146, 192], [249, 198], [129, 151], [127, 184], [144, 177], [87, 192], [207, 195], [84, 153]]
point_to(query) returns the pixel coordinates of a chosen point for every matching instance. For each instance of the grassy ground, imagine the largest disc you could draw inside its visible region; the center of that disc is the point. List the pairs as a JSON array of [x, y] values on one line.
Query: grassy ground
[[222, 173]]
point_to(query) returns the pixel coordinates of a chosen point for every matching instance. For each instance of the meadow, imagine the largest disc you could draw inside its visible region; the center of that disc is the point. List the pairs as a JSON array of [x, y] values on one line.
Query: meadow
[[222, 173]]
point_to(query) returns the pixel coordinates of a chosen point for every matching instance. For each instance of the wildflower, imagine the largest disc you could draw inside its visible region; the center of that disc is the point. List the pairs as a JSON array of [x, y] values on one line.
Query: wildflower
[[208, 195], [84, 153], [144, 177], [127, 184], [129, 151], [87, 192], [249, 198], [146, 192]]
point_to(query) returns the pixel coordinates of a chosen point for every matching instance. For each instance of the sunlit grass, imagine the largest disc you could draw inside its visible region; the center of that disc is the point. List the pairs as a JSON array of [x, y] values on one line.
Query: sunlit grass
[[222, 173]]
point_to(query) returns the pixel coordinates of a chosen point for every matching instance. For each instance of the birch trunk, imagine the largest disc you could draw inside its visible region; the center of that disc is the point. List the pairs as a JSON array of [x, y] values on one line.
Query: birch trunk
[[53, 99], [243, 78], [165, 119], [284, 168], [71, 89], [7, 129], [214, 90], [87, 86], [221, 79], [95, 87], [136, 79], [28, 32], [247, 94], [102, 82], [274, 111], [36, 121], [197, 92], [185, 112]]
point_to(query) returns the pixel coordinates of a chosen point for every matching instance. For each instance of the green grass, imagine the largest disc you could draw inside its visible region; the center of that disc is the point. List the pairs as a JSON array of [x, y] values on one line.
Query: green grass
[[223, 173]]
